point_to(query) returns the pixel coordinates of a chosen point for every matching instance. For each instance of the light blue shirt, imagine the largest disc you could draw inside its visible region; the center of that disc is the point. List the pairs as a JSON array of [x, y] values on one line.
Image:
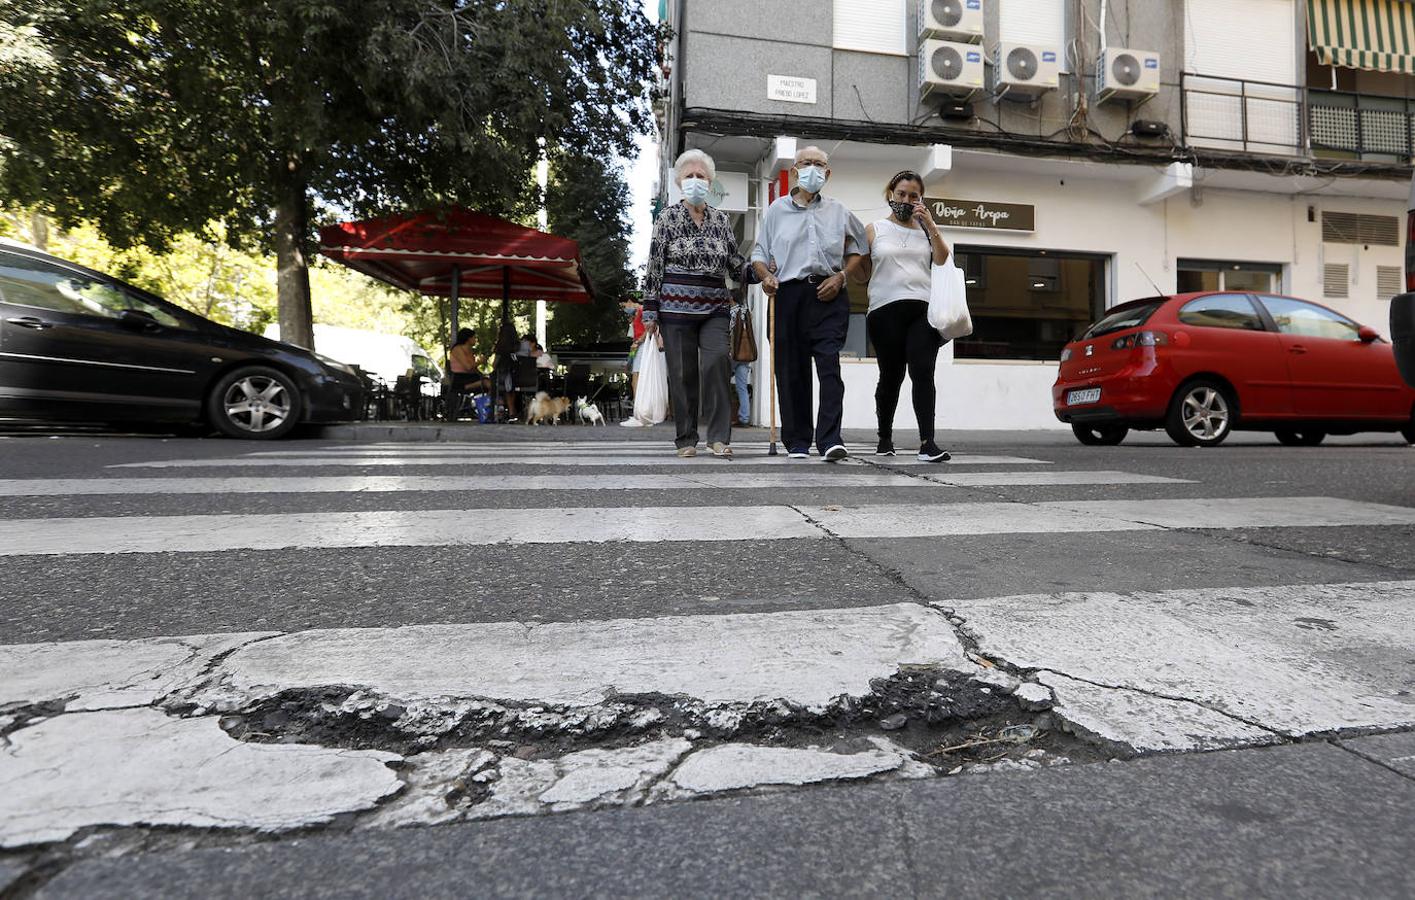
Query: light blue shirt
[[808, 240]]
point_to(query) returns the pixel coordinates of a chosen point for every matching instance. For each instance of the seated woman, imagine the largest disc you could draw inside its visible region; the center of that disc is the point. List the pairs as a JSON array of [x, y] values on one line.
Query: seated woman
[[466, 365]]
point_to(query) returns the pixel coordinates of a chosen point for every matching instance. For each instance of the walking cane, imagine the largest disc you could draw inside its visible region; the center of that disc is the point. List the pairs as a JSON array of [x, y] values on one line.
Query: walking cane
[[771, 338]]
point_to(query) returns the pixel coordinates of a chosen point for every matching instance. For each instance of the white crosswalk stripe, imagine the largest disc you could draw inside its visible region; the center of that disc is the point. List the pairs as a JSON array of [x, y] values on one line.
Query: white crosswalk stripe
[[324, 460], [456, 527]]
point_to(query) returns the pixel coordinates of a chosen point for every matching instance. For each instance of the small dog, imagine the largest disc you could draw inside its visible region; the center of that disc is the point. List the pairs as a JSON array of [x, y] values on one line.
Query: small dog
[[545, 408], [589, 413]]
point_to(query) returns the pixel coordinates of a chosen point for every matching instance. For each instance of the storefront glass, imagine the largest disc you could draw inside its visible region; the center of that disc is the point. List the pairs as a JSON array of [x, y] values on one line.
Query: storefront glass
[[1210, 275]]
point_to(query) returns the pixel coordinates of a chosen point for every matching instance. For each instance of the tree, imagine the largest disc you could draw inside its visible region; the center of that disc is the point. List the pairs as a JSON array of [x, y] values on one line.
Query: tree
[[588, 200], [257, 118]]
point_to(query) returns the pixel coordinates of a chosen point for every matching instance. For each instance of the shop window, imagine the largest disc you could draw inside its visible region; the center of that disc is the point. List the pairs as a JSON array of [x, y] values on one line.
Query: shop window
[[1028, 305], [1210, 275]]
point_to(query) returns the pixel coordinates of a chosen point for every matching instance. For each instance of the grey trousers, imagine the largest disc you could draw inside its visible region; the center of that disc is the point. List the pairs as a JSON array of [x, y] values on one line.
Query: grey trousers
[[699, 368]]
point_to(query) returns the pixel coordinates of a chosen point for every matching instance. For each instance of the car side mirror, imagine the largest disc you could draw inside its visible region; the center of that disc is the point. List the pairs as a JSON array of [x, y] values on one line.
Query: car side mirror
[[1367, 334], [138, 320]]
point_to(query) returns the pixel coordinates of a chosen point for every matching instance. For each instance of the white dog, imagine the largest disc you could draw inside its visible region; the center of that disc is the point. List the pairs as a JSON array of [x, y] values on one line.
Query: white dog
[[588, 412]]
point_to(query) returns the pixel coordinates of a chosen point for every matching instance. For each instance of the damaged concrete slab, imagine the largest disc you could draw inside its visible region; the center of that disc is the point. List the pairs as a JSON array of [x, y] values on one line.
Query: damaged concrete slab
[[141, 767], [1296, 660], [731, 767], [1395, 751], [104, 674], [803, 658]]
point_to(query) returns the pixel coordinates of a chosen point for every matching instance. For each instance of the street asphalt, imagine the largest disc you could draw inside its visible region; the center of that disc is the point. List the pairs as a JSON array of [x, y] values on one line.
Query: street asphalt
[[1324, 814]]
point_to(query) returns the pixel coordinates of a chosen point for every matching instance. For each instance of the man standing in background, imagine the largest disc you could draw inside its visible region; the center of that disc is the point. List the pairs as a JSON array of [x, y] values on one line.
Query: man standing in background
[[815, 242]]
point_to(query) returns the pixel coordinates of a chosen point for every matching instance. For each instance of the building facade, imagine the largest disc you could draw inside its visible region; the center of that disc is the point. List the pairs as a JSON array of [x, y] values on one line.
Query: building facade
[[1080, 153]]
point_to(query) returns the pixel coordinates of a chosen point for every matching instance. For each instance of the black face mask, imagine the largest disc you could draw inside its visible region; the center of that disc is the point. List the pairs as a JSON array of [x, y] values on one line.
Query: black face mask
[[902, 211]]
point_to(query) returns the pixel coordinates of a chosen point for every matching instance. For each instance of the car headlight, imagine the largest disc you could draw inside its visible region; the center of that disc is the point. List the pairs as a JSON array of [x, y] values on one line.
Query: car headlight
[[335, 364]]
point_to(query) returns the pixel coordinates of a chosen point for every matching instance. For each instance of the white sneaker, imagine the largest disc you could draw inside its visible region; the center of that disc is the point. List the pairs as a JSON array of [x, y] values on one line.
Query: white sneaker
[[836, 453], [799, 454], [631, 423]]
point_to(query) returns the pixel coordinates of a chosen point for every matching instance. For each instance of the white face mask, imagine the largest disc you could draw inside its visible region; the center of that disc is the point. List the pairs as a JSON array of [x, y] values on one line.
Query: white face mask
[[812, 178], [695, 190]]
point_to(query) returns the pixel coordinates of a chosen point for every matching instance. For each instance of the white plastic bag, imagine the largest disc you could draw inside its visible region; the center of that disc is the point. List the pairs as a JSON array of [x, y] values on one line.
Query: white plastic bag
[[948, 301], [651, 401]]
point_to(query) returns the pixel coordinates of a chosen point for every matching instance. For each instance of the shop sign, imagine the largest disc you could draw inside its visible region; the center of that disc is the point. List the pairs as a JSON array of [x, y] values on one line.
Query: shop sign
[[983, 214], [791, 88]]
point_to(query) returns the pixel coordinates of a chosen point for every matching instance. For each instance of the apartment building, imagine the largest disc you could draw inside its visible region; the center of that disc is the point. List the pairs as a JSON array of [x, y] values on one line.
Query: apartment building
[[1080, 153]]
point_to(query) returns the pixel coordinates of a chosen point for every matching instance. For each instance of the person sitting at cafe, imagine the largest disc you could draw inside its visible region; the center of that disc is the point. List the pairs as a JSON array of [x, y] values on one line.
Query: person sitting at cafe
[[467, 365]]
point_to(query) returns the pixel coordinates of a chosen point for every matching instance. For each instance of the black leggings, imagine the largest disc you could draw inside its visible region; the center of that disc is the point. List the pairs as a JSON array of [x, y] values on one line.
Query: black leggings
[[904, 339]]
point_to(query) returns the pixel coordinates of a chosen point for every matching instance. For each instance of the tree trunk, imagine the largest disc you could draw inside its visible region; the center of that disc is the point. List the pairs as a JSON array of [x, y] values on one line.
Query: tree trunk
[[292, 284], [39, 230]]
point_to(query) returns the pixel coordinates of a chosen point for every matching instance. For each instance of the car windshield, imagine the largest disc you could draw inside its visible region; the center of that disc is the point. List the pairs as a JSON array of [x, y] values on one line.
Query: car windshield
[[1131, 316]]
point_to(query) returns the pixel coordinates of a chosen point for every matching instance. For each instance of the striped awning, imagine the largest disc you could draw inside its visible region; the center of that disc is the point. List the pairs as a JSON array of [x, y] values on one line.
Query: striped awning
[[1363, 34]]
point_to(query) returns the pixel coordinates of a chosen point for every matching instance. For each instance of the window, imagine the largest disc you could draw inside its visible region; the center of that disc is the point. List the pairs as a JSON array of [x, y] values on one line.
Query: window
[[1210, 275], [1222, 311], [1037, 22], [1028, 305], [872, 26], [1310, 320], [1128, 316], [26, 282]]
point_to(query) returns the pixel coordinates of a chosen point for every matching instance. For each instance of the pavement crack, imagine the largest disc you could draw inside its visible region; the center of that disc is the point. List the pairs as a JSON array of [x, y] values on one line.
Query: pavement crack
[[1341, 745]]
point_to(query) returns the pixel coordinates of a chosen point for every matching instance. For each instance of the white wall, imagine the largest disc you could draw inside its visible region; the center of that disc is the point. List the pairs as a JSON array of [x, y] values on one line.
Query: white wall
[[1091, 215]]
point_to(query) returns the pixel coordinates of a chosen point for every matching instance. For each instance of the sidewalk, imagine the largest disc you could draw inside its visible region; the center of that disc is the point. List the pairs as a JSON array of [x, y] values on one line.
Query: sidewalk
[[1311, 820]]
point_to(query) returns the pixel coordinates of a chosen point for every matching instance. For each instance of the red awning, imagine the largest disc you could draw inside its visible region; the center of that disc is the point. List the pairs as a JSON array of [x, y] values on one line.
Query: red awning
[[496, 258]]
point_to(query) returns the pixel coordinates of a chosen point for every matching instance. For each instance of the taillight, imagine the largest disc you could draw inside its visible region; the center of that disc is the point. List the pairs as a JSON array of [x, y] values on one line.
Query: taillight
[[1140, 339], [1065, 354]]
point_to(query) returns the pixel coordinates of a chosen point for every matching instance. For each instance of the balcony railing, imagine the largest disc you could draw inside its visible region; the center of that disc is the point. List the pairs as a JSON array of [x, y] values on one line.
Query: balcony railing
[[1287, 120]]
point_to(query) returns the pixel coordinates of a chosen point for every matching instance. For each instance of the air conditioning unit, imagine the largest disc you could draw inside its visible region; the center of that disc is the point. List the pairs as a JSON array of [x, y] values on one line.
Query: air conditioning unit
[[950, 67], [1026, 69], [951, 20], [1127, 74]]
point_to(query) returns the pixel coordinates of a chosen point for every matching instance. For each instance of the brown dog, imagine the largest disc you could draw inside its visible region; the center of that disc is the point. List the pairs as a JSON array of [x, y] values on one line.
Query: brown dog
[[545, 408]]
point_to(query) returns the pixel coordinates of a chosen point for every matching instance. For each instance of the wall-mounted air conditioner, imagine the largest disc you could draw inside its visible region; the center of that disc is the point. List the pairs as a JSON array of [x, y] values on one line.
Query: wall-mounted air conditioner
[[951, 20], [950, 67], [1127, 74], [1026, 70]]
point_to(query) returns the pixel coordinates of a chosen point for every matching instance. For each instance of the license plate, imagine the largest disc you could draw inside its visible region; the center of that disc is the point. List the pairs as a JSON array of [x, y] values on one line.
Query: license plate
[[1077, 398]]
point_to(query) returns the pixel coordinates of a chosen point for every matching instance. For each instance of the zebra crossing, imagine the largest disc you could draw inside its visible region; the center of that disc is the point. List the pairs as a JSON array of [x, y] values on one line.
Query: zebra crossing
[[1117, 668]]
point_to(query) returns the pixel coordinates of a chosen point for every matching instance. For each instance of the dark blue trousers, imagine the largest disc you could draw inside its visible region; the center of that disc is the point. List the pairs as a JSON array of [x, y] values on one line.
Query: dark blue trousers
[[809, 330]]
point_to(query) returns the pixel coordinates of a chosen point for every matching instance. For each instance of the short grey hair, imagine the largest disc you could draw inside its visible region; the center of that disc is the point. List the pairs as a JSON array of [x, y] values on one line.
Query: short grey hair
[[693, 156], [818, 151]]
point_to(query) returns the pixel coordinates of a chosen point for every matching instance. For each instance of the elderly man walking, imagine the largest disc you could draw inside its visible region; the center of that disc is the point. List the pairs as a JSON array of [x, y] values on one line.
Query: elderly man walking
[[815, 243]]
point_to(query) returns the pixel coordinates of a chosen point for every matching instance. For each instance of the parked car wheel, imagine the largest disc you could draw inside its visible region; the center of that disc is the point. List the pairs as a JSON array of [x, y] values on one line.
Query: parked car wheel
[[1099, 435], [256, 403], [1303, 438], [1201, 414]]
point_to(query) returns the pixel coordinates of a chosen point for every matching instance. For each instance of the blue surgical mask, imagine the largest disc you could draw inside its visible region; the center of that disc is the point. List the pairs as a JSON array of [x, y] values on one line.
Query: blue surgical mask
[[812, 178], [695, 190]]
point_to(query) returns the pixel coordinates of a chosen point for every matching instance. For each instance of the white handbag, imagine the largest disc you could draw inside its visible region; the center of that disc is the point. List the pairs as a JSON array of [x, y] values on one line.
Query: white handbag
[[948, 301]]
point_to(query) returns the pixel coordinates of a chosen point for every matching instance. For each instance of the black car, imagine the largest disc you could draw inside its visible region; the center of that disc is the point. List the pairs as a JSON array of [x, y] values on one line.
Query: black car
[[77, 345]]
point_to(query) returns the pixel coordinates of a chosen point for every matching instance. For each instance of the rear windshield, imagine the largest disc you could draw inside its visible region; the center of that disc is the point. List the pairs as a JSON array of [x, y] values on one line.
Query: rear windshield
[[1129, 316]]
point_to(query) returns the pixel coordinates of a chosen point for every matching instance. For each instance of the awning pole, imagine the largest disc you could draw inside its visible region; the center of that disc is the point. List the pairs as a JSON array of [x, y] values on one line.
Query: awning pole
[[456, 304], [505, 293]]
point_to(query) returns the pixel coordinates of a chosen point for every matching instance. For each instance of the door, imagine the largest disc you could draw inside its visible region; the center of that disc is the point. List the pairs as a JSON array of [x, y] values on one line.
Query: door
[[1335, 375], [76, 346], [1227, 335]]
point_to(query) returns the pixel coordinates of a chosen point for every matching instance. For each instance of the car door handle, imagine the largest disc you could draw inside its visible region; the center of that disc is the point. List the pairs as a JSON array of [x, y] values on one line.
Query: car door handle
[[30, 322], [1297, 348]]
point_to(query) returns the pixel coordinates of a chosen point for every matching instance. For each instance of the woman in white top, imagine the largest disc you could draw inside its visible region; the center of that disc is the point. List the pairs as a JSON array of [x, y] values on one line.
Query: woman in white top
[[903, 249]]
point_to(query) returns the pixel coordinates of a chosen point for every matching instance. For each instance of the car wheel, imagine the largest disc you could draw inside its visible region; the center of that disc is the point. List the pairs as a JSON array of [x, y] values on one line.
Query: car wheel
[[1201, 414], [1304, 438], [256, 403], [1099, 435]]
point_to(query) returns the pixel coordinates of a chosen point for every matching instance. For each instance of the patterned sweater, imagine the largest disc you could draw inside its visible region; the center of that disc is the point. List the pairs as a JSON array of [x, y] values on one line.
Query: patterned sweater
[[689, 265]]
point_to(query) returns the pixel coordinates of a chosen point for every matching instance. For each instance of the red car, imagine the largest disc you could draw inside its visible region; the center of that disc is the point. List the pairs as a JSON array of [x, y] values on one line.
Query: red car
[[1202, 365]]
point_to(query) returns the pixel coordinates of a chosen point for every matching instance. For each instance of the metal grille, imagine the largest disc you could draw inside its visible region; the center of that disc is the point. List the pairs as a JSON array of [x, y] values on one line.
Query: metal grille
[[1334, 127], [1388, 281], [1360, 228], [1335, 280]]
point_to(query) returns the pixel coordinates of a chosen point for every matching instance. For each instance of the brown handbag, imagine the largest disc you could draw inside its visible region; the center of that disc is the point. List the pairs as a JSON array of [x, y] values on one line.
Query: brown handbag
[[744, 336]]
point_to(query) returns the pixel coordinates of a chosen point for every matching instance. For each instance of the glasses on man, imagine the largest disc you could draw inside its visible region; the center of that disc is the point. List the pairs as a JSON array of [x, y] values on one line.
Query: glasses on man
[[809, 162]]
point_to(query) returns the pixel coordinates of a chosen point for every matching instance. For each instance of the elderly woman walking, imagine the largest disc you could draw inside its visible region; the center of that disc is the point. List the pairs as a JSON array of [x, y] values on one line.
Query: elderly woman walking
[[687, 300]]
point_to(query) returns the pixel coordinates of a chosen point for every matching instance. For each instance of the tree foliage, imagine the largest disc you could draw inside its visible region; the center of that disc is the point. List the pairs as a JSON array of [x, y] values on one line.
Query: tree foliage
[[588, 200], [247, 121]]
